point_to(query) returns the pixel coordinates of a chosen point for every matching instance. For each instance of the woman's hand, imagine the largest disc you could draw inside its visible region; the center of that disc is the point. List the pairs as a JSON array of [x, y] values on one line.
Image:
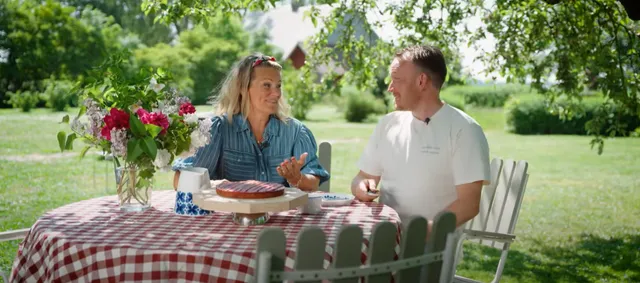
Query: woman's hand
[[290, 169]]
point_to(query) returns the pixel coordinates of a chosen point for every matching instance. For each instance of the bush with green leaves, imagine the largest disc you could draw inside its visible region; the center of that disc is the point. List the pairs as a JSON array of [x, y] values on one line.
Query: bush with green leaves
[[533, 114], [25, 100], [59, 94], [453, 100], [361, 104], [483, 95]]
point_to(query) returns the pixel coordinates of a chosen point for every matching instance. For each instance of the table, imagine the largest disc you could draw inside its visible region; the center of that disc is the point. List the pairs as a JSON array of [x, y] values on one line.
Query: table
[[93, 240]]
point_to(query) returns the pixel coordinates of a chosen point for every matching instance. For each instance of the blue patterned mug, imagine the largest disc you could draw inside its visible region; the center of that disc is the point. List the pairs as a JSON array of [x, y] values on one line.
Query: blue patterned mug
[[192, 180], [185, 206]]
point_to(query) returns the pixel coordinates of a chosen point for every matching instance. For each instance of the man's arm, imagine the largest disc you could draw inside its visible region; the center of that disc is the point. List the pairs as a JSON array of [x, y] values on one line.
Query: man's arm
[[466, 206]]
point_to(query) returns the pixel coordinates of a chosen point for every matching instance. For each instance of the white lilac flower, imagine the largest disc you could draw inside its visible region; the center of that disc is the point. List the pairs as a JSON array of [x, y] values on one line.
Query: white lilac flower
[[79, 127], [204, 127], [162, 159], [197, 140], [182, 99], [119, 142], [170, 109], [191, 118], [95, 116], [155, 86]]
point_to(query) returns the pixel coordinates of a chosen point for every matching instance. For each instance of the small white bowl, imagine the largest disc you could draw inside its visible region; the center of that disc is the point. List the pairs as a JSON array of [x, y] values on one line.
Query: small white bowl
[[313, 206]]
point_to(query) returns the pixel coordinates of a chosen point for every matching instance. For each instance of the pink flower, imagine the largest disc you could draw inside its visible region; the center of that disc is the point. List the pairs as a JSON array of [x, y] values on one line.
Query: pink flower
[[154, 118], [116, 119], [186, 108]]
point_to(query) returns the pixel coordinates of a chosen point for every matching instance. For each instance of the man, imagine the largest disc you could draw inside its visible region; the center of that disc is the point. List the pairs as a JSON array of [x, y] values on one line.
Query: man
[[429, 156]]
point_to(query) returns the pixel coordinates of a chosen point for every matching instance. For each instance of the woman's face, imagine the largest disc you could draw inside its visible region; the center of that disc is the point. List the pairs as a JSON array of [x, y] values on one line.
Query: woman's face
[[264, 90]]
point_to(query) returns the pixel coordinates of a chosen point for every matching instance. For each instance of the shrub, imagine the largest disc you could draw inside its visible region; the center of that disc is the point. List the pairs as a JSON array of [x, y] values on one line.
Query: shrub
[[25, 100], [530, 114], [362, 104], [59, 95], [483, 95], [453, 100]]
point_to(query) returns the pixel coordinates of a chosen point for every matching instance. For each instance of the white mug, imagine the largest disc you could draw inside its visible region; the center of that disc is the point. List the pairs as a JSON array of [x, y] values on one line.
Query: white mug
[[313, 206], [193, 179]]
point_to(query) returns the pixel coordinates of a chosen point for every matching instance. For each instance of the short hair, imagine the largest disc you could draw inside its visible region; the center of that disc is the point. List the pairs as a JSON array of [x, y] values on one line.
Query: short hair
[[429, 59], [233, 98]]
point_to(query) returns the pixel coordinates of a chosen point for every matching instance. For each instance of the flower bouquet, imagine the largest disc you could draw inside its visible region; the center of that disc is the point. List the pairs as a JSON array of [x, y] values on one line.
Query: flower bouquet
[[139, 121]]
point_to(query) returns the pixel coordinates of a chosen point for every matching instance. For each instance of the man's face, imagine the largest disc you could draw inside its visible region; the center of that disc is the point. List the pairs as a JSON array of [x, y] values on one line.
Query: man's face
[[404, 84]]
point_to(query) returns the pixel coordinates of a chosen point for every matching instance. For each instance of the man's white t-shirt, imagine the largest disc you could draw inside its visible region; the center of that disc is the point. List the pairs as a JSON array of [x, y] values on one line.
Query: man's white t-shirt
[[421, 164]]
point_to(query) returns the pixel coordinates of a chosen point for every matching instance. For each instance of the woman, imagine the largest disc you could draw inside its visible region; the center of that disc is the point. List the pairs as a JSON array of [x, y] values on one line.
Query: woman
[[252, 136]]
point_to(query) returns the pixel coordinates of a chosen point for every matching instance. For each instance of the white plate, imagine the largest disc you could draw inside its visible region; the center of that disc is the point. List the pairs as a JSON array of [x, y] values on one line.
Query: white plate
[[336, 199]]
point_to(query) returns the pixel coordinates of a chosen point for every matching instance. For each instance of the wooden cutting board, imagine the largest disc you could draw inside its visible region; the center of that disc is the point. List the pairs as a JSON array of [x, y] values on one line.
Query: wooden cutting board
[[209, 200]]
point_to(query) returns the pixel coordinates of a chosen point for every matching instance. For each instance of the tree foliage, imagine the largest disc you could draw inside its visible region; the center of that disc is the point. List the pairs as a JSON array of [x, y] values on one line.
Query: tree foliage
[[48, 40], [561, 46]]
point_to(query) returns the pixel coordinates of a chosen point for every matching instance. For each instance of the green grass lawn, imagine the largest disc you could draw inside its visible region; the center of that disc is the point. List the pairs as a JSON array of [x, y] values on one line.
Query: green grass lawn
[[578, 223]]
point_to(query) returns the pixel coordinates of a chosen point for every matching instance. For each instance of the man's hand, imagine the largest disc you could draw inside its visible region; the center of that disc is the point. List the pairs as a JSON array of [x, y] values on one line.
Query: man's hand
[[290, 170], [364, 186]]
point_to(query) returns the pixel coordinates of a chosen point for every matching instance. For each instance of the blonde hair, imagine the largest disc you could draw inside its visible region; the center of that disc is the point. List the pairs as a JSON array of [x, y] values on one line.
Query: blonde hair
[[233, 95]]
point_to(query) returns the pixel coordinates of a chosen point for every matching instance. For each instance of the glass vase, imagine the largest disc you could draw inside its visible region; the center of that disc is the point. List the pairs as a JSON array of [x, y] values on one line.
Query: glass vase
[[134, 192]]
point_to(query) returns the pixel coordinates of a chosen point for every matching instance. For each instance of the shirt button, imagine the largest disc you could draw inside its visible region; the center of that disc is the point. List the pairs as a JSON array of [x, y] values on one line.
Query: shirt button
[[262, 172], [260, 154]]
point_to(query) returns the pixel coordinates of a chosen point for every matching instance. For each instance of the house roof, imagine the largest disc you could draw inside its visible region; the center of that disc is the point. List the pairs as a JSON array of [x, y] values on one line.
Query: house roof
[[288, 29]]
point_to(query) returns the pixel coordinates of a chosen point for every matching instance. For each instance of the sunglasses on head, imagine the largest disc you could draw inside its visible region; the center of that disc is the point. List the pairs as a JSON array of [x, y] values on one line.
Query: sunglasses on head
[[263, 59]]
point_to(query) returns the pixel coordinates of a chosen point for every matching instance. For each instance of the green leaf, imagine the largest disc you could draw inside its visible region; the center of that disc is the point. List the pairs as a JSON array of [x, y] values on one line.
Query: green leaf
[[149, 147], [84, 151], [147, 173], [82, 110], [69, 144], [65, 119], [136, 126], [133, 149], [153, 130], [61, 140]]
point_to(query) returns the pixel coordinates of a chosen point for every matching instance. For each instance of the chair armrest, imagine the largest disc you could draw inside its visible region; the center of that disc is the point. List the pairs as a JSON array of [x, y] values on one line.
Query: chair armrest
[[13, 235], [491, 236]]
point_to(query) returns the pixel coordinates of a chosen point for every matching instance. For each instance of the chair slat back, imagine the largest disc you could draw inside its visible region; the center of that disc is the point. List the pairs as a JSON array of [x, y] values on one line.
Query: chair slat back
[[507, 200], [324, 157], [381, 249], [480, 221], [347, 265], [348, 250], [310, 250], [413, 244], [443, 225], [273, 243]]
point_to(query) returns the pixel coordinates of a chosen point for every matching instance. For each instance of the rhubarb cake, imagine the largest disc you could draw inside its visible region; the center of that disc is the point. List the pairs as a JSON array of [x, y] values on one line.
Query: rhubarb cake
[[250, 189]]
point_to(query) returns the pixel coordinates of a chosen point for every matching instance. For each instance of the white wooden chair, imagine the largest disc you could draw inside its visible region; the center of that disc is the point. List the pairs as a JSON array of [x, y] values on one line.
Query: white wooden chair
[[9, 236], [324, 157], [413, 263], [495, 224]]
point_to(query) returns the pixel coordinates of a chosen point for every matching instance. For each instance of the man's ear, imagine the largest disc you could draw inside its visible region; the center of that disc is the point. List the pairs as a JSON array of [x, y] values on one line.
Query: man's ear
[[423, 80]]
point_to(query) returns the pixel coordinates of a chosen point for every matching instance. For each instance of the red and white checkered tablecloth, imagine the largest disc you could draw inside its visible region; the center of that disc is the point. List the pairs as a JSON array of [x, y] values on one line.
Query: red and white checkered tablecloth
[[93, 240]]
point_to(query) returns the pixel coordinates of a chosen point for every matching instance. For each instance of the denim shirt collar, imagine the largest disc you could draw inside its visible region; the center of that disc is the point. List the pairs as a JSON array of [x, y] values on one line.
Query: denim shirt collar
[[242, 124]]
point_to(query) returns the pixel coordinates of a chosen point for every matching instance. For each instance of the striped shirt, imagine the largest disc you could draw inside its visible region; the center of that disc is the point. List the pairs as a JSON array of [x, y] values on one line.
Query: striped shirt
[[234, 154]]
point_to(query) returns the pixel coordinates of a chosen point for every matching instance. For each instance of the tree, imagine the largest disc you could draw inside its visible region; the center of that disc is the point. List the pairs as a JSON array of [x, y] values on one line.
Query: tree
[[128, 14], [37, 39], [535, 40]]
